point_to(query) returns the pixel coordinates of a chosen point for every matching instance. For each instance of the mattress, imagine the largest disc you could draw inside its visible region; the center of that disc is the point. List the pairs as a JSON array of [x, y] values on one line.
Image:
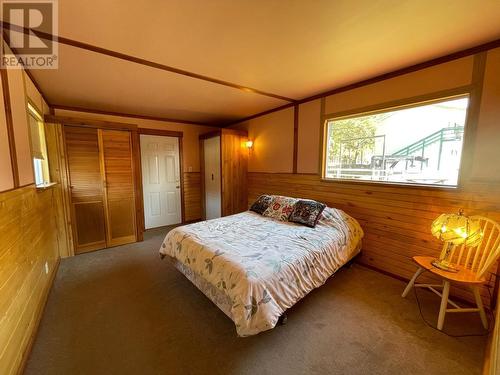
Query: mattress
[[255, 268]]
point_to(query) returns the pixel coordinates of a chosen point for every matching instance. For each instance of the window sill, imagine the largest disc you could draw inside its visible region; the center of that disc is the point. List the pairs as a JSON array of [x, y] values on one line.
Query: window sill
[[43, 187], [391, 184]]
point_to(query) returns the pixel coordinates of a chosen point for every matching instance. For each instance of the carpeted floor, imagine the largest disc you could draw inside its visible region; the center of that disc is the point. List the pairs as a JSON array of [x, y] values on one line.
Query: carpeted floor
[[123, 311]]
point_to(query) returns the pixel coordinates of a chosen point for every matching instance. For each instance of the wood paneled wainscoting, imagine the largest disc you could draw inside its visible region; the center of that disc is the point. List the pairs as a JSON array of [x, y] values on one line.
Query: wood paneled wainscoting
[[192, 196], [29, 255], [396, 219]]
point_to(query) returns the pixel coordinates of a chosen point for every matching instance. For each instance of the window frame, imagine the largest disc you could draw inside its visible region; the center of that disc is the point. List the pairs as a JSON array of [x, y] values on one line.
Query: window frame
[[395, 106], [34, 112]]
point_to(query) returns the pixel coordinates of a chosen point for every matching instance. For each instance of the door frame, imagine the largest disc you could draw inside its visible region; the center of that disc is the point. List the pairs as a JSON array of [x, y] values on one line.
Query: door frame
[[140, 192], [202, 138], [215, 133]]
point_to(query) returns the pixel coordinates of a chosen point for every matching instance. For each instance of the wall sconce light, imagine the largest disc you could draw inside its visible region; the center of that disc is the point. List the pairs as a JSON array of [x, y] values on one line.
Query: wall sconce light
[[249, 144]]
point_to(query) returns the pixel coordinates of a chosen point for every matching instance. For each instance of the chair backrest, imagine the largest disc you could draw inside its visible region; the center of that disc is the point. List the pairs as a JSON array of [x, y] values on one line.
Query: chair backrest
[[480, 258]]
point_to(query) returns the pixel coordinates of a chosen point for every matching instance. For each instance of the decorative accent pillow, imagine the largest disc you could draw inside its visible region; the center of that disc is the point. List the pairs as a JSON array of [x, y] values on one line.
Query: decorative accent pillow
[[280, 208], [307, 212], [261, 204]]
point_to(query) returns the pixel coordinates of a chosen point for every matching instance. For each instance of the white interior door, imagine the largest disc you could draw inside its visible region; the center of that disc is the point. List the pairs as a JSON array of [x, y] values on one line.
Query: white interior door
[[161, 180], [211, 155]]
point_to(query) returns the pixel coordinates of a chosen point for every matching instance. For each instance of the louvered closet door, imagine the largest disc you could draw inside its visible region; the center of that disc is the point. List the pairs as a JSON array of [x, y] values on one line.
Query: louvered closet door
[[116, 159], [87, 197]]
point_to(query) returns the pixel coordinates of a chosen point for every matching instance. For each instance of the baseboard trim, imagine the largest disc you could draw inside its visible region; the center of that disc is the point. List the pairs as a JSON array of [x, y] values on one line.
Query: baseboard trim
[[38, 318], [404, 279], [387, 273]]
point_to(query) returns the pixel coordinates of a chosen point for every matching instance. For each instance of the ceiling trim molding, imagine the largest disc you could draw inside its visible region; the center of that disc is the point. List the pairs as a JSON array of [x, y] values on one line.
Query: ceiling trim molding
[[382, 77], [131, 115], [138, 60]]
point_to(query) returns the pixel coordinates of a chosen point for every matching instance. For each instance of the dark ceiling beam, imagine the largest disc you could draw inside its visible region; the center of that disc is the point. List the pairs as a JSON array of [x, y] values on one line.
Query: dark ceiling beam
[[396, 73], [138, 60], [131, 115]]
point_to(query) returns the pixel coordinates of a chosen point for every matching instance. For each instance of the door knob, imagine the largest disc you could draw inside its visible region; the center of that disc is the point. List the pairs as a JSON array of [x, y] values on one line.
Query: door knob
[[177, 187]]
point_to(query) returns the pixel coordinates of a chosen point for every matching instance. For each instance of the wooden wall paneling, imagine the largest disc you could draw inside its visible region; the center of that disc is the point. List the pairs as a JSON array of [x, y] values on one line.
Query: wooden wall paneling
[[192, 196], [86, 187], [492, 356], [29, 242], [223, 182], [227, 163], [181, 174], [59, 175], [119, 186], [295, 136], [396, 219], [234, 161], [139, 197]]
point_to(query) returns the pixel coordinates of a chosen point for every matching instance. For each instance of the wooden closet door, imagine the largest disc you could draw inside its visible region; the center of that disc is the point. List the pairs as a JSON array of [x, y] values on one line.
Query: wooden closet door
[[234, 172], [118, 172], [87, 197]]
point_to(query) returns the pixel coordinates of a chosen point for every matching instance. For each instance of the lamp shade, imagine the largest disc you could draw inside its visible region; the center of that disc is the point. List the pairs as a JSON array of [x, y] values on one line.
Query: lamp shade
[[457, 229]]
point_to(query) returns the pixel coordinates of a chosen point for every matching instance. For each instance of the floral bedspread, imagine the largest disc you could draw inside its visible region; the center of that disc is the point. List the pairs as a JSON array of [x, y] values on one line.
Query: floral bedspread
[[263, 265]]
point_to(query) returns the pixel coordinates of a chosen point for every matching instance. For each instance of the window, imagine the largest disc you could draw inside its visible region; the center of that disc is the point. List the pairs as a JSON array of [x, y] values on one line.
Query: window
[[38, 147], [421, 144]]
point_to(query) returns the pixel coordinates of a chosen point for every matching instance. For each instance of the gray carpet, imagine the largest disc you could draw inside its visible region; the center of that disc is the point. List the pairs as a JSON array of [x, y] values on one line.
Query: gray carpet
[[123, 311]]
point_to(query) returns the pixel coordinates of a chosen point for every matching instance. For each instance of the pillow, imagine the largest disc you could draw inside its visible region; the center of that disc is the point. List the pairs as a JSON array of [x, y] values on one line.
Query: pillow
[[261, 204], [307, 212], [280, 208]]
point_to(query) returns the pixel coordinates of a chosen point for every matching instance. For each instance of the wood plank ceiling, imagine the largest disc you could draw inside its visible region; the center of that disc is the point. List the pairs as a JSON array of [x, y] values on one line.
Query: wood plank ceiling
[[220, 61]]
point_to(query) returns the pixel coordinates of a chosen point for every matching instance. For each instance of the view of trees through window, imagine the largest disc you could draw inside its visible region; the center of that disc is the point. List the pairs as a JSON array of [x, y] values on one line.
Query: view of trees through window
[[419, 145]]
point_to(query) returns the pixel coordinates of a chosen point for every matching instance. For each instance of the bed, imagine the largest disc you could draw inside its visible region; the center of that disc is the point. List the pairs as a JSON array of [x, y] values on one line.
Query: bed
[[254, 267]]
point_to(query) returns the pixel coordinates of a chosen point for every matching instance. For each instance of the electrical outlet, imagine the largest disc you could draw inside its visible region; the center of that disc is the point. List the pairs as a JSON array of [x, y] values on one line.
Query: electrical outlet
[[46, 268]]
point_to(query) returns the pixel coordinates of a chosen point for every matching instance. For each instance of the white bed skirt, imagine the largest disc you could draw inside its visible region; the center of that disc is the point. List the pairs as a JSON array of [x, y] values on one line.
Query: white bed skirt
[[221, 300]]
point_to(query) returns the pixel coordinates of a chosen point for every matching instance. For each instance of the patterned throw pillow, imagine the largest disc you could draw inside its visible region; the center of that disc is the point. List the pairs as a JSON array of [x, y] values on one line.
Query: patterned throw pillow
[[307, 212], [261, 204], [280, 208]]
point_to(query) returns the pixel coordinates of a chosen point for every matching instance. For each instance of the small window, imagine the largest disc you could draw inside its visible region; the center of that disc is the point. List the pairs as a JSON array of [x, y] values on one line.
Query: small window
[[421, 144], [38, 147]]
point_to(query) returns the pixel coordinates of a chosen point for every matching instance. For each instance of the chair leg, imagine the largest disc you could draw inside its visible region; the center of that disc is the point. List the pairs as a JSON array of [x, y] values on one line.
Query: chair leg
[[444, 304], [412, 282], [479, 303]]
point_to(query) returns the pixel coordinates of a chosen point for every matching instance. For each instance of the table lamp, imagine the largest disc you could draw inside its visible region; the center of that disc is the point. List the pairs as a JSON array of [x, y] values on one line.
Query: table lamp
[[453, 230]]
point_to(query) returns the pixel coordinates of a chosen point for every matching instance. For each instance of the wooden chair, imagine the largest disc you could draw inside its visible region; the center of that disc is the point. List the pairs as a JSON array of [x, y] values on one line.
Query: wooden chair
[[472, 264]]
